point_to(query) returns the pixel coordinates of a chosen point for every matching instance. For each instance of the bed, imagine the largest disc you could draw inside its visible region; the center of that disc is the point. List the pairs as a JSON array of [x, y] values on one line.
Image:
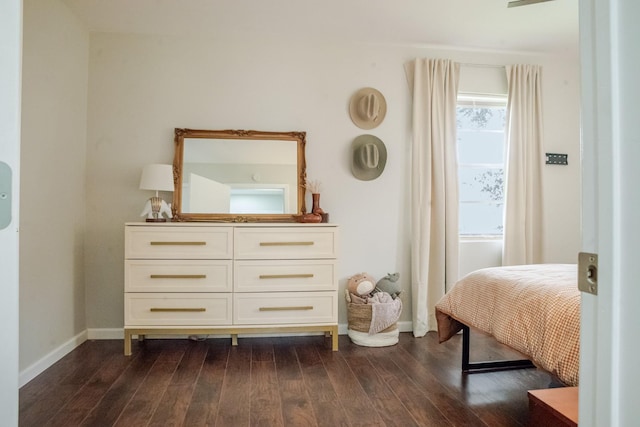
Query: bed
[[534, 309]]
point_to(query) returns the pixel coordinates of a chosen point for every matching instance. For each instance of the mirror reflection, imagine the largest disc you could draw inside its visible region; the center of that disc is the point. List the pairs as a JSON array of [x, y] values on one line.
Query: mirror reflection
[[239, 176], [229, 175]]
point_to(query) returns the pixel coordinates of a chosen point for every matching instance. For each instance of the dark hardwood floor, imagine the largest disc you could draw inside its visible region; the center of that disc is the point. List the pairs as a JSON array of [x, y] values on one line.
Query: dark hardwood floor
[[278, 381]]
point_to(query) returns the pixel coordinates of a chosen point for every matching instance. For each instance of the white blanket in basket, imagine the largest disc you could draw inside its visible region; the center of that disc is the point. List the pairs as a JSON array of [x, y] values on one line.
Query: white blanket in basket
[[385, 311]]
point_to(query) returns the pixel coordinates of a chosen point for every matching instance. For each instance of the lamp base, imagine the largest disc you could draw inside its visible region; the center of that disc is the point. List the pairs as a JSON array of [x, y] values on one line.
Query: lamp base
[[156, 220], [156, 209]]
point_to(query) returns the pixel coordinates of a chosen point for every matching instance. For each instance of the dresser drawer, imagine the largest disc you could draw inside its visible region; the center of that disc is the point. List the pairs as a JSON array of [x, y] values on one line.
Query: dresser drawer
[[178, 275], [285, 243], [282, 308], [179, 242], [165, 309], [290, 275]]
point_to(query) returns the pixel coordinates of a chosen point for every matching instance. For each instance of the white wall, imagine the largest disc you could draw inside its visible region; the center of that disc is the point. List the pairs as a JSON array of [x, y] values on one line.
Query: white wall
[[562, 201], [477, 253], [141, 87], [52, 205]]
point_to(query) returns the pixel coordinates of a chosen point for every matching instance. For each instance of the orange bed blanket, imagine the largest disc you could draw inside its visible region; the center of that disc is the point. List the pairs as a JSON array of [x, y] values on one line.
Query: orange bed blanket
[[534, 309]]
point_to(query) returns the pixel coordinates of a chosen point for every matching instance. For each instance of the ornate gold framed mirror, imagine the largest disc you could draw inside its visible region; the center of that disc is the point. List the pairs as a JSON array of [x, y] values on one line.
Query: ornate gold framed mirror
[[238, 175]]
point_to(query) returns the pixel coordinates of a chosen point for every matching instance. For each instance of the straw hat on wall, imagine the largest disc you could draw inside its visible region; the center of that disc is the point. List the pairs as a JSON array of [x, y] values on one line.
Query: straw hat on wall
[[369, 156], [367, 108]]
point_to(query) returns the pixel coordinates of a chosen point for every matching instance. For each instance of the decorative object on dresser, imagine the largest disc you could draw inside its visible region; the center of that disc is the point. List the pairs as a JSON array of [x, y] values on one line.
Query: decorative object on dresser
[[197, 278], [314, 188], [367, 108], [157, 177], [309, 218], [317, 214]]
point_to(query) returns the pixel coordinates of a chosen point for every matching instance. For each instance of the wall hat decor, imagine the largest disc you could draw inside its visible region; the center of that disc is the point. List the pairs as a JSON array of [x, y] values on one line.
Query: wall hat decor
[[369, 157], [367, 108]]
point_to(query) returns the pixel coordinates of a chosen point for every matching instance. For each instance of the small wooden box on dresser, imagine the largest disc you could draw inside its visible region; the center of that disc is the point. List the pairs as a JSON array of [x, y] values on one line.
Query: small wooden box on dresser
[[212, 278]]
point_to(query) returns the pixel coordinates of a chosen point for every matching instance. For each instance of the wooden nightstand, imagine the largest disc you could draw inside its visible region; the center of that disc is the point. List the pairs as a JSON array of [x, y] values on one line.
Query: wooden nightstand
[[553, 407]]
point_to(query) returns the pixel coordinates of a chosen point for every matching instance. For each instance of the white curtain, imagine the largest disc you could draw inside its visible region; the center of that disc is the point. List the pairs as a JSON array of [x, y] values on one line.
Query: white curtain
[[434, 186], [523, 220]]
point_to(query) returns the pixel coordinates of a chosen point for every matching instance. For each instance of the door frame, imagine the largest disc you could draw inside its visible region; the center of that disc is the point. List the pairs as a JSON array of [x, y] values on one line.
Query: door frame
[[10, 88], [609, 373]]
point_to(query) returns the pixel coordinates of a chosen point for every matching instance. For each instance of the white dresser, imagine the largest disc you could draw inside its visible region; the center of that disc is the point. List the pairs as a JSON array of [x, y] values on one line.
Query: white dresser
[[209, 278]]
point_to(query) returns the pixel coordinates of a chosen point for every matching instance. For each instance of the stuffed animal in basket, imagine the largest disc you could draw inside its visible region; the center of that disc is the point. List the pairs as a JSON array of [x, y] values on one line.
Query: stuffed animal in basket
[[389, 284], [361, 284]]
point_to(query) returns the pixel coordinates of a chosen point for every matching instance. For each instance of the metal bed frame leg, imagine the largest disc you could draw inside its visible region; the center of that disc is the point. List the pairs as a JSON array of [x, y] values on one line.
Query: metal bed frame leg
[[496, 365]]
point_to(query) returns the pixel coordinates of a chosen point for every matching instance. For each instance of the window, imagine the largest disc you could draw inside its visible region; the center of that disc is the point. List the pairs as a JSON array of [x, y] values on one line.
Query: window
[[257, 199], [480, 124]]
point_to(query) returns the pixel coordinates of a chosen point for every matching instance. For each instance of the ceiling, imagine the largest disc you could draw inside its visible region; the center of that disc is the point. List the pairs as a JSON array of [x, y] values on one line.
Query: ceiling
[[550, 26]]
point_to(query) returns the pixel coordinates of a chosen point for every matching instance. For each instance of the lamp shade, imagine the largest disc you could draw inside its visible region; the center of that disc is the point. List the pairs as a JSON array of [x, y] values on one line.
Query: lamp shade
[[157, 178]]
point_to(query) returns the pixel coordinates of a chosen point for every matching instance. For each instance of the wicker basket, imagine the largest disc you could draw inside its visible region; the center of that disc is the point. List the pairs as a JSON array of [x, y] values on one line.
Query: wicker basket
[[359, 318], [359, 321]]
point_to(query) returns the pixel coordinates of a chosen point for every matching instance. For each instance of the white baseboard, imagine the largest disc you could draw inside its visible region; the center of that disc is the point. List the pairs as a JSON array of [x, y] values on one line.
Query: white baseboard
[[118, 333], [37, 368]]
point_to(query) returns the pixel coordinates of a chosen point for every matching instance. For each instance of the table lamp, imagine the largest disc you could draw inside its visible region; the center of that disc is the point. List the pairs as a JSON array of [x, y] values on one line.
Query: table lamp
[[157, 177]]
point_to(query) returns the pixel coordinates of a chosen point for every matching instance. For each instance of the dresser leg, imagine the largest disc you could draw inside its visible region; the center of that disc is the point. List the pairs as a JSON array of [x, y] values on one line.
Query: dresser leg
[[127, 343], [234, 339], [334, 338]]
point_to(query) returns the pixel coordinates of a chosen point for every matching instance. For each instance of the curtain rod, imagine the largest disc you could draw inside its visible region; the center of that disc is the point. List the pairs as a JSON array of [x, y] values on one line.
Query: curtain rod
[[468, 64]]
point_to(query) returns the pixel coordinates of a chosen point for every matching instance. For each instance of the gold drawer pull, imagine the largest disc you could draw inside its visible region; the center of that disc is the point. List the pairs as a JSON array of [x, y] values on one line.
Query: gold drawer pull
[[286, 276], [286, 243], [302, 307], [178, 243], [187, 309], [178, 276]]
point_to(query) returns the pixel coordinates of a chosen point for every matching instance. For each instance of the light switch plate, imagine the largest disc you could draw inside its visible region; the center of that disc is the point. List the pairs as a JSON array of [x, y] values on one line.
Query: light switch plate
[[5, 195]]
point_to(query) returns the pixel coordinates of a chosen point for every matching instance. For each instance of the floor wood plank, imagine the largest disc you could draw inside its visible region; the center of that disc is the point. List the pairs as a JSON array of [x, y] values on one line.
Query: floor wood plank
[[285, 381], [144, 403], [177, 396], [57, 385], [205, 400], [297, 409], [132, 373], [387, 404], [79, 407], [266, 409], [235, 397], [446, 399], [414, 398]]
